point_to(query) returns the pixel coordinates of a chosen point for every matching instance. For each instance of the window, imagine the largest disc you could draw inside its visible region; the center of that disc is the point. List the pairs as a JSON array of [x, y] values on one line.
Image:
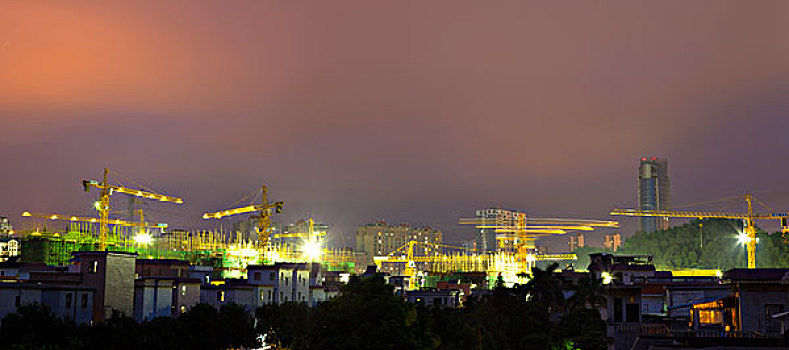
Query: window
[[220, 296], [18, 300], [207, 279], [269, 295], [84, 300], [257, 275], [618, 310], [272, 275], [280, 297], [94, 266], [68, 299], [183, 290]]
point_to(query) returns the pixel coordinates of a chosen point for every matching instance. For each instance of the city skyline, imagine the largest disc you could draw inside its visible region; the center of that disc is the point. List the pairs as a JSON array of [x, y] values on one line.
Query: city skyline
[[406, 113]]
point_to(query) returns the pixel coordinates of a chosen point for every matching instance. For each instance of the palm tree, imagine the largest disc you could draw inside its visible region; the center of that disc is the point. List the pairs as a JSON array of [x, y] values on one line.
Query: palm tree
[[544, 286]]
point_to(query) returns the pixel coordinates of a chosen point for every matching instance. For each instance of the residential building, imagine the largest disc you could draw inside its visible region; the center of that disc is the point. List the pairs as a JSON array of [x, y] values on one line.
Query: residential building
[[111, 275], [163, 287], [9, 248], [73, 302], [654, 189], [576, 241], [5, 226], [486, 236], [282, 282], [381, 239], [612, 242], [434, 297]]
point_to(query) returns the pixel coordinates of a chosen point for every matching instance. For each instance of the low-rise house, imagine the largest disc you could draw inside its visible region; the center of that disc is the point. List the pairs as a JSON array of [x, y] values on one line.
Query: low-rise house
[[71, 302], [434, 297]]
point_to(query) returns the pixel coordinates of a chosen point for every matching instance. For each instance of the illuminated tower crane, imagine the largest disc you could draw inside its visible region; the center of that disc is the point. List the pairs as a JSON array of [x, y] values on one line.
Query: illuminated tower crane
[[103, 205], [749, 217], [523, 231], [264, 212]]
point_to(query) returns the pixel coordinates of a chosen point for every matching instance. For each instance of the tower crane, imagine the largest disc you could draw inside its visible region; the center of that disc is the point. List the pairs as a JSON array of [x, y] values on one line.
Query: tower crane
[[264, 211], [405, 254], [73, 218], [103, 205], [523, 231], [749, 217]]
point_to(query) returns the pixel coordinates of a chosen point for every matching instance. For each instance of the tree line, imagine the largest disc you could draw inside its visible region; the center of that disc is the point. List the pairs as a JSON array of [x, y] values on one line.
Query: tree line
[[366, 315], [700, 244]]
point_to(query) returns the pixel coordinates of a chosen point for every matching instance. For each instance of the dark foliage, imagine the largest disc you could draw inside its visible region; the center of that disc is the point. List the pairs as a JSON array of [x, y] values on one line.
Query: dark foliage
[[366, 315], [202, 327]]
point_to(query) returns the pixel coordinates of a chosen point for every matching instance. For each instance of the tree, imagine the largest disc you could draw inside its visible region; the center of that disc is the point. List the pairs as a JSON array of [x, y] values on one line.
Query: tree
[[588, 293], [34, 326], [544, 286], [237, 327], [583, 328], [366, 315]]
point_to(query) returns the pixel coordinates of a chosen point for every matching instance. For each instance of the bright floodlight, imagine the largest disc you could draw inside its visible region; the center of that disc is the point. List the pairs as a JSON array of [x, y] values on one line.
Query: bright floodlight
[[743, 238], [143, 239], [312, 250]]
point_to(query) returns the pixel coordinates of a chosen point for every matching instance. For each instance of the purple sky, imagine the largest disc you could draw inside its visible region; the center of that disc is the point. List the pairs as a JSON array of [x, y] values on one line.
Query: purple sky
[[406, 111]]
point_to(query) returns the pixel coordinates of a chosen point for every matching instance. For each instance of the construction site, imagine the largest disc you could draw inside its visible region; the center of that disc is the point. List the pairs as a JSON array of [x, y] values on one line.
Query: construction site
[[51, 238]]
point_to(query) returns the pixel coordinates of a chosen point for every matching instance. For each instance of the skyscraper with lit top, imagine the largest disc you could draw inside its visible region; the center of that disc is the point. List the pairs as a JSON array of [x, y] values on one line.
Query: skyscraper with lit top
[[654, 189]]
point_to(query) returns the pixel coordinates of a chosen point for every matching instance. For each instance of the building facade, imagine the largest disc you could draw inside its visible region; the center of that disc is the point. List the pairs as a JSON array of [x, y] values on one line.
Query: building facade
[[576, 241], [486, 237], [654, 187], [381, 239], [612, 241], [5, 225]]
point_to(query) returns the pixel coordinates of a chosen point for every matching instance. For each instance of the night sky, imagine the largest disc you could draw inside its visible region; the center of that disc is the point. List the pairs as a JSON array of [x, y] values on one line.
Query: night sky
[[417, 111]]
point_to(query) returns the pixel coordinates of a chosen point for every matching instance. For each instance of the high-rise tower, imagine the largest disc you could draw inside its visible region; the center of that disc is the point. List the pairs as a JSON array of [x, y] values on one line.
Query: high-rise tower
[[654, 187]]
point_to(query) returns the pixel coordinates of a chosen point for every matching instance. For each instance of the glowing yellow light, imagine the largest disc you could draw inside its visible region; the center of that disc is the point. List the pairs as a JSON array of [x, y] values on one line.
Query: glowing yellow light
[[311, 250], [607, 278], [53, 217], [73, 218], [742, 237], [719, 273], [205, 216], [27, 213], [97, 205], [143, 239]]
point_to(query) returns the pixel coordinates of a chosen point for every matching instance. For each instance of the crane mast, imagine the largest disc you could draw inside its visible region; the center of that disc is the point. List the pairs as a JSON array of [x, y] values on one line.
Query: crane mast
[[264, 219]]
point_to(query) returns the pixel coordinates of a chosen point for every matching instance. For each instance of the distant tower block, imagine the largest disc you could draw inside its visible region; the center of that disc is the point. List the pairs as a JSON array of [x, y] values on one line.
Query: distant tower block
[[576, 241], [612, 242], [654, 189]]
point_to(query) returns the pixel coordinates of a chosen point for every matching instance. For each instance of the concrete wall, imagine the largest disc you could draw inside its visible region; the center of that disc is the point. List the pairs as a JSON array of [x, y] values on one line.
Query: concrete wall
[[185, 295], [753, 306], [119, 284], [153, 298], [56, 298]]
